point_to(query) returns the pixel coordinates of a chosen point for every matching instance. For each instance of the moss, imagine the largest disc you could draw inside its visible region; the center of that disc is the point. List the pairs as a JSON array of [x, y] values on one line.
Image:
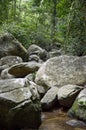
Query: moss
[[78, 111]]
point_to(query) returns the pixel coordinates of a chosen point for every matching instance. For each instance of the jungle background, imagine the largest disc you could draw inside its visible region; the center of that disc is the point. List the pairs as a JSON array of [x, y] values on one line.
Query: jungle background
[[46, 22]]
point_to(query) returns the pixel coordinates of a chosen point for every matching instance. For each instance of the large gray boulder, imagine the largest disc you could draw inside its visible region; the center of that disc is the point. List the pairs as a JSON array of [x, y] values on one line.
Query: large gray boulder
[[67, 94], [62, 70], [9, 45], [19, 104], [78, 110], [23, 69]]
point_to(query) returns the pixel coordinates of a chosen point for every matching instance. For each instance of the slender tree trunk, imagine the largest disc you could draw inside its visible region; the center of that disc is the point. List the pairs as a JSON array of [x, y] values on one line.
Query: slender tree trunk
[[14, 10], [54, 13], [54, 16], [6, 11], [19, 16]]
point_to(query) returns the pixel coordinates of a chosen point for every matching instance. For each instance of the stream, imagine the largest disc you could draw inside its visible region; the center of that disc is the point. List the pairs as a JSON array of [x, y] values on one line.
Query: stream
[[56, 120]]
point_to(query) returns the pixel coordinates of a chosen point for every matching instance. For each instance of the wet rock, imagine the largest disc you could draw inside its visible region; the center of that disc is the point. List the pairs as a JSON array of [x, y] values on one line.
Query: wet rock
[[67, 94], [76, 123], [62, 70]]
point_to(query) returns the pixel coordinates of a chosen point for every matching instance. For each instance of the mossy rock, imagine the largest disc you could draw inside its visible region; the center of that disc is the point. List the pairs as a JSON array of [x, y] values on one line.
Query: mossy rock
[[78, 110]]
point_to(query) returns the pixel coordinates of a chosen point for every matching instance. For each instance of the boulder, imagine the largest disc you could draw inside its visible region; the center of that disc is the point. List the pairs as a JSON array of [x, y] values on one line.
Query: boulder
[[23, 69], [67, 94], [34, 49], [62, 70], [50, 98], [10, 60], [78, 109], [9, 45], [19, 104]]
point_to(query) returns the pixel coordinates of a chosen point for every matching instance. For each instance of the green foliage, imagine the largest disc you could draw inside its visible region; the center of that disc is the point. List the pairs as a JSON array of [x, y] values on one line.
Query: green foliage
[[18, 31], [4, 5], [76, 31], [44, 22], [29, 25], [25, 35], [63, 7], [40, 39], [36, 2]]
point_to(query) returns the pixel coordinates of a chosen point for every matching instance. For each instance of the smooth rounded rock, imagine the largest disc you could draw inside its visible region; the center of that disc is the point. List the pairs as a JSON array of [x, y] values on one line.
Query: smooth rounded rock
[[62, 70]]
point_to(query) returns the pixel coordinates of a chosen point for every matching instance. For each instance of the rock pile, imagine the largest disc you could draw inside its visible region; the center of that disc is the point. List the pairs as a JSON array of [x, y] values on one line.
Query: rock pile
[[27, 85]]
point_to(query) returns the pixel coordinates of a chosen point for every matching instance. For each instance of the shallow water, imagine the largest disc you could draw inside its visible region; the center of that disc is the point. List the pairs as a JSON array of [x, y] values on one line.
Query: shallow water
[[56, 120]]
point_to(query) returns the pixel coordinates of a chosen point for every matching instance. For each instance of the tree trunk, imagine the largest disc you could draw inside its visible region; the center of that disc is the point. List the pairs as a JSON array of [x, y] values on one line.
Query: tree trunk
[[54, 13], [14, 10]]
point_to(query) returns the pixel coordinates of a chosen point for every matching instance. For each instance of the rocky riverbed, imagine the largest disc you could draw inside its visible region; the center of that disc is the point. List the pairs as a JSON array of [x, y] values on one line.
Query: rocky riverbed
[[32, 81], [57, 119]]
